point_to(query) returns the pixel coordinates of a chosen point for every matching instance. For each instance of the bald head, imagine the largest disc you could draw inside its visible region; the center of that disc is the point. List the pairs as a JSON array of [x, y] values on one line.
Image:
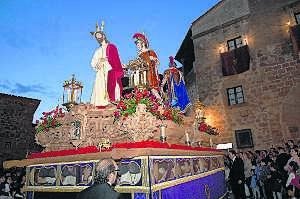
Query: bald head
[[106, 171]]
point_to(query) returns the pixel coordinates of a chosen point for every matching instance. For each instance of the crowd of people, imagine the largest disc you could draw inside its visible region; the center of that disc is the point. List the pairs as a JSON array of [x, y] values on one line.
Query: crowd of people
[[11, 183], [267, 174]]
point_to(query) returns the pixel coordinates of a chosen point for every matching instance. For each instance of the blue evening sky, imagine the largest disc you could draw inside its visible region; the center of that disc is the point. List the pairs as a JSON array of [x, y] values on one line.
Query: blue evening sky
[[44, 42]]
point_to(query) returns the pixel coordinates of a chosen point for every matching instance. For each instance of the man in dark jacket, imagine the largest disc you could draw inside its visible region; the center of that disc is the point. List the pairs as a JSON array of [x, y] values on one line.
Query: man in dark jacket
[[237, 176], [281, 161], [106, 175]]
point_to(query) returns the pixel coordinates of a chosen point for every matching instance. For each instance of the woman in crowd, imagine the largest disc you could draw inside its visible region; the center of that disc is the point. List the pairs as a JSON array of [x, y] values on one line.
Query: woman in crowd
[[291, 189], [275, 181]]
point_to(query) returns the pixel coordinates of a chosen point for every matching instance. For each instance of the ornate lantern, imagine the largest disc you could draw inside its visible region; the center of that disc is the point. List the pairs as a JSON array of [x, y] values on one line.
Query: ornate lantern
[[72, 92], [199, 109]]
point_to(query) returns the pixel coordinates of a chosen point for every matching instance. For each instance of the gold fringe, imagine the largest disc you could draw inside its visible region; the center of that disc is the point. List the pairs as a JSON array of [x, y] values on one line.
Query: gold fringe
[[61, 163], [132, 189], [55, 189], [145, 173], [185, 156]]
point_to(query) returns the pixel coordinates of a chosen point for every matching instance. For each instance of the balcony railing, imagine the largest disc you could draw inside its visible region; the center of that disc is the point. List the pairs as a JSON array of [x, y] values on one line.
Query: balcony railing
[[235, 61]]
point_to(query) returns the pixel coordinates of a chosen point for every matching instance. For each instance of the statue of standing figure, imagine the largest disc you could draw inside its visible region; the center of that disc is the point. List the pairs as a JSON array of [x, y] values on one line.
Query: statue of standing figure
[[106, 62], [177, 93], [145, 67]]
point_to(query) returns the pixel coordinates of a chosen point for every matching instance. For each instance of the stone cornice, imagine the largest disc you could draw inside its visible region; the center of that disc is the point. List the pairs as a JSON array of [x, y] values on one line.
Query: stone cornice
[[212, 8], [18, 97], [220, 26]]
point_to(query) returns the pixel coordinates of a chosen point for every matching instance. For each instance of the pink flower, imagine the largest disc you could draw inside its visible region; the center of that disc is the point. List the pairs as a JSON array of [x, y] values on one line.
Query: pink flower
[[117, 114], [128, 95], [152, 98], [138, 96], [155, 107]]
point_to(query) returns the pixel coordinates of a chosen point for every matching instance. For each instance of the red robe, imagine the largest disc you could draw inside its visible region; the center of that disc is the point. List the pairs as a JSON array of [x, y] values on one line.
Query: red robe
[[151, 59], [116, 73]]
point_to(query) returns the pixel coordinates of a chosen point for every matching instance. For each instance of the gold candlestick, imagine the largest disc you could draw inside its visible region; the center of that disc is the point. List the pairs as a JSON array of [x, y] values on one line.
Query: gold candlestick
[[163, 137], [187, 139]]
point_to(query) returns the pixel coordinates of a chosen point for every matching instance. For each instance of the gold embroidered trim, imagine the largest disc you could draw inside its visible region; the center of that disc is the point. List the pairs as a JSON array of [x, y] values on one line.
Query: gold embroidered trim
[[132, 189], [55, 189]]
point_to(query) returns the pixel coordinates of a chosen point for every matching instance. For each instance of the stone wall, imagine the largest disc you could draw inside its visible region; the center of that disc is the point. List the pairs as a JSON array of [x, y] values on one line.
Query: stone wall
[[16, 128], [271, 86], [224, 12]]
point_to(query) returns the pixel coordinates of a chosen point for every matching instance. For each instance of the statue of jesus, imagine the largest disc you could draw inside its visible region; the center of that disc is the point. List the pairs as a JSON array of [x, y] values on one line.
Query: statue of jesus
[[106, 62]]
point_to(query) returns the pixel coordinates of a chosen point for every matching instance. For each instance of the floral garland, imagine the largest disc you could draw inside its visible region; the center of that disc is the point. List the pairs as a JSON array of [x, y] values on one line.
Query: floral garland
[[204, 127], [49, 120], [127, 106]]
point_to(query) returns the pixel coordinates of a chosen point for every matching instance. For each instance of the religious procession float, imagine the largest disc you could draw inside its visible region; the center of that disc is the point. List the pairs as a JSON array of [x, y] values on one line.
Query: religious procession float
[[145, 123]]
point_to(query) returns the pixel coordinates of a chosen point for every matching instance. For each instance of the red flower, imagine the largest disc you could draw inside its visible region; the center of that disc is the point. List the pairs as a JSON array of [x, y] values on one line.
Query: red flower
[[121, 105], [203, 127], [146, 93], [138, 96]]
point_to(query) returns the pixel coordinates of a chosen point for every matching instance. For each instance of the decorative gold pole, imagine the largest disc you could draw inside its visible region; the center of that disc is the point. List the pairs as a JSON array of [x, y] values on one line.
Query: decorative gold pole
[[187, 139], [163, 137], [199, 109]]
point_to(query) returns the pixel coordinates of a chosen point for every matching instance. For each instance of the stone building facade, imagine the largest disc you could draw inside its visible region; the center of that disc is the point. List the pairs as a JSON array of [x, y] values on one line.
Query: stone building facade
[[267, 110], [16, 128]]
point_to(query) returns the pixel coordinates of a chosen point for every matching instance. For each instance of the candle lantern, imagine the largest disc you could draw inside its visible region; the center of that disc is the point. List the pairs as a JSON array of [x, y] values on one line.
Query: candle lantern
[[163, 137], [72, 92]]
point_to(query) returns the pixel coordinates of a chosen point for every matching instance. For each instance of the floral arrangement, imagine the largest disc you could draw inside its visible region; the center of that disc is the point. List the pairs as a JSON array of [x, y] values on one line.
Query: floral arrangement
[[204, 127], [127, 106], [49, 120]]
